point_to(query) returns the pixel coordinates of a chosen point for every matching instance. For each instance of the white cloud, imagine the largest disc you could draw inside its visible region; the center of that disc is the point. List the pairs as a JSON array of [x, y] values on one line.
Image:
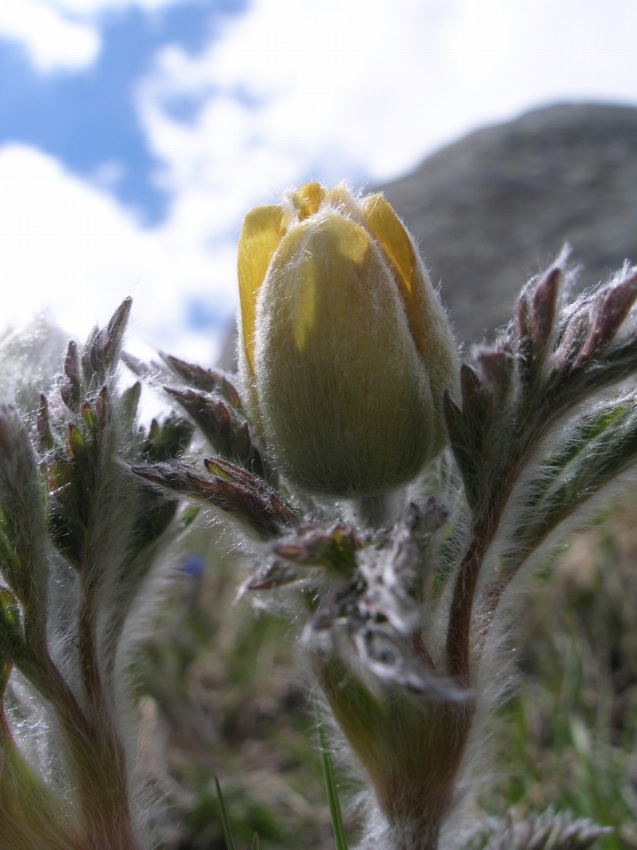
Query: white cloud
[[508, 55], [368, 88], [70, 249], [51, 40], [288, 90], [63, 34]]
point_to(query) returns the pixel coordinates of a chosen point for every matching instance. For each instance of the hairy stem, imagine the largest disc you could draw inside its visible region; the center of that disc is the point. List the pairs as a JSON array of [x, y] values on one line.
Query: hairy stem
[[95, 757], [534, 419], [374, 511], [484, 528], [459, 632], [100, 762]]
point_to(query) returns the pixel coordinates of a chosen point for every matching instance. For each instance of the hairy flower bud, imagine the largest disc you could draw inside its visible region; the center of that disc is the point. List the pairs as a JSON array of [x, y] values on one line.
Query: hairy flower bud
[[346, 350]]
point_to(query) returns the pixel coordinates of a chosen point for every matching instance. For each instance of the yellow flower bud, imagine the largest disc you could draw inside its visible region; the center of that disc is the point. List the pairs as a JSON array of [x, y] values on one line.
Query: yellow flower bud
[[345, 348]]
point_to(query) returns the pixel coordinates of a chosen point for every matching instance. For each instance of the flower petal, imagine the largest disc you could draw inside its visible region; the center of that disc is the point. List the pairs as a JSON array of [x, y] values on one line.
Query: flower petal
[[307, 199], [389, 230], [390, 233], [426, 316], [262, 231]]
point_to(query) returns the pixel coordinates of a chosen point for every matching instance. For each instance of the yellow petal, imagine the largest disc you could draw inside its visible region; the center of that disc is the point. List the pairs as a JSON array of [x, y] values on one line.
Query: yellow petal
[[307, 199], [341, 199], [262, 231], [390, 232], [428, 322]]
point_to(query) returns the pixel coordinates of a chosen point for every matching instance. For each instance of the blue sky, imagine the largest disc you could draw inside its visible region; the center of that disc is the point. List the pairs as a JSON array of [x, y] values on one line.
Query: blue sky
[[134, 134], [86, 117]]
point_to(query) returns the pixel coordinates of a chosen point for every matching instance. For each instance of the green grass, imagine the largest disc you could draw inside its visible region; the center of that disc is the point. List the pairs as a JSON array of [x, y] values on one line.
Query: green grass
[[568, 737], [225, 820], [229, 701], [331, 785]]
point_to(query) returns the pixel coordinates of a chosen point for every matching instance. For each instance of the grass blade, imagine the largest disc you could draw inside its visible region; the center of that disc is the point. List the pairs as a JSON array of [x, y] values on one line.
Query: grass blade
[[224, 818], [330, 782]]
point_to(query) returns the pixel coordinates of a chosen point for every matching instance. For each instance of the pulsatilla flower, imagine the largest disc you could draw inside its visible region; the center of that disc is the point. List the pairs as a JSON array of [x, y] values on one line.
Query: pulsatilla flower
[[346, 350]]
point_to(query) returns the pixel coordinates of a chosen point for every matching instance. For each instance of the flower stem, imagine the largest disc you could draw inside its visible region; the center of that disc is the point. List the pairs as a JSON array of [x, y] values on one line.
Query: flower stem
[[458, 636], [100, 761], [375, 511]]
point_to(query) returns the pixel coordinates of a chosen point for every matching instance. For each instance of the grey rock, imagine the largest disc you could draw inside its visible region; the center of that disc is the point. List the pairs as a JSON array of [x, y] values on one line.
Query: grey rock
[[495, 208]]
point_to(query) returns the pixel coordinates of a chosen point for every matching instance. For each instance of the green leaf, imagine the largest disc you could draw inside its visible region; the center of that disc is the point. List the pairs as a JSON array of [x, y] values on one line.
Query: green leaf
[[77, 443], [102, 350], [167, 439], [330, 782], [32, 815], [5, 671], [224, 818], [206, 380], [598, 448], [22, 515]]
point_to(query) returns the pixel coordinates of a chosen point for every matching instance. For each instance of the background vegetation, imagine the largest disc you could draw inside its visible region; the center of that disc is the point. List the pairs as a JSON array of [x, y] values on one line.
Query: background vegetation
[[223, 694]]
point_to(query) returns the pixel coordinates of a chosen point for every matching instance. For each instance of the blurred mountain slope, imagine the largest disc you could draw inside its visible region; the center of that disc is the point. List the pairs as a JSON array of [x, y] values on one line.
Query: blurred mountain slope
[[494, 208]]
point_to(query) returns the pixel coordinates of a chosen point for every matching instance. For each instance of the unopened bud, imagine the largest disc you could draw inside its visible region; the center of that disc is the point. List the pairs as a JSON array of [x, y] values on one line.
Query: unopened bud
[[346, 349]]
